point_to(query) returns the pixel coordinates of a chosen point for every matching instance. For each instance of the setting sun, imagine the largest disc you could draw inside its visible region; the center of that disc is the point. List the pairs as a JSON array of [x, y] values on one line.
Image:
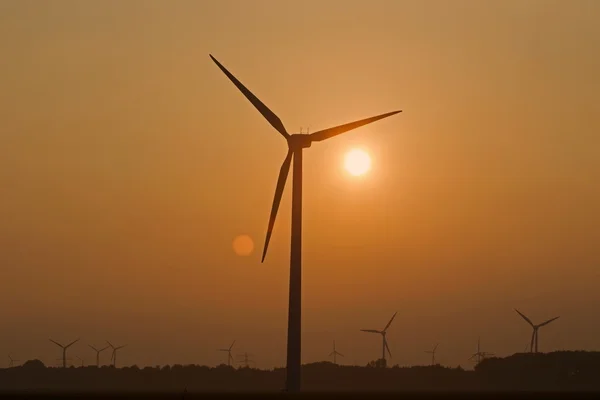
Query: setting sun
[[357, 162]]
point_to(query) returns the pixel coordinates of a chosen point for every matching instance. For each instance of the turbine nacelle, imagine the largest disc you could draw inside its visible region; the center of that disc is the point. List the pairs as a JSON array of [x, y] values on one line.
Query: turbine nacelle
[[299, 141]]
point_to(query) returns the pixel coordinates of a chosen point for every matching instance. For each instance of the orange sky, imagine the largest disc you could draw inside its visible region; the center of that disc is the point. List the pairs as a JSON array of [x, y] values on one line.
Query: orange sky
[[128, 163]]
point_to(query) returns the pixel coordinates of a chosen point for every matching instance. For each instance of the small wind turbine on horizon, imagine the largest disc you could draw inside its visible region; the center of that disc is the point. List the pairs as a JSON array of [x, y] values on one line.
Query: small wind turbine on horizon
[[432, 352], [98, 351], [80, 359], [246, 360], [64, 349], [534, 335], [113, 357], [383, 335], [335, 353], [480, 355], [229, 356], [296, 144], [11, 361]]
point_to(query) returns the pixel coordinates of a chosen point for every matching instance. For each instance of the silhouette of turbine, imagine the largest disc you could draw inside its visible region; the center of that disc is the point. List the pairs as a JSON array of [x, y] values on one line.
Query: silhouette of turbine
[[432, 352], [383, 333], [534, 335], [480, 355], [80, 359], [335, 353], [98, 353], [11, 361], [296, 144], [64, 349], [229, 356], [113, 357]]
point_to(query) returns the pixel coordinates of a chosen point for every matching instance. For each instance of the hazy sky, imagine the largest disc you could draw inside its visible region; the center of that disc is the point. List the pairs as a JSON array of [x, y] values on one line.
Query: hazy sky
[[129, 163]]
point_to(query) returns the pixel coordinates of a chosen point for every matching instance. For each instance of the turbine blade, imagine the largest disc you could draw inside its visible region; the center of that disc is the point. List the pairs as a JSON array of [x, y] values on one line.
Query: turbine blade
[[524, 317], [104, 348], [120, 347], [339, 354], [435, 348], [230, 347], [332, 353], [95, 349], [388, 348], [389, 323], [331, 132], [72, 343], [547, 322], [263, 109], [370, 330], [56, 343], [283, 173], [110, 344], [532, 338]]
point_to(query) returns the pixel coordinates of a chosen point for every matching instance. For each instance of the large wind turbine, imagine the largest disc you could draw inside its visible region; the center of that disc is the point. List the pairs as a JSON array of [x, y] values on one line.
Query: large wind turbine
[[229, 356], [534, 334], [98, 351], [296, 143], [383, 333], [64, 349], [432, 352], [335, 353], [113, 357]]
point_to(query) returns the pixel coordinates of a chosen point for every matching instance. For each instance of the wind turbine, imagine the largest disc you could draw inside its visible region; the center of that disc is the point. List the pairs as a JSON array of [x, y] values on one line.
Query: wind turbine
[[80, 359], [335, 353], [113, 357], [383, 333], [11, 361], [229, 356], [480, 355], [432, 352], [296, 143], [64, 348], [534, 335], [98, 353]]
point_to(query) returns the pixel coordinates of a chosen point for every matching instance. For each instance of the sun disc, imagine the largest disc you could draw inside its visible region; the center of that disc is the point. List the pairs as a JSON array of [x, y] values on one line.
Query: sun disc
[[357, 162], [243, 245]]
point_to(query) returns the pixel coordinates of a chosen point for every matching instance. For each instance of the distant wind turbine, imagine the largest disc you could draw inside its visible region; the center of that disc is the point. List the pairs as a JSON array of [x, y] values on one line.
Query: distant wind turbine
[[229, 356], [113, 357], [480, 355], [64, 349], [11, 361], [80, 359], [296, 144], [98, 351], [432, 352], [383, 333], [534, 335], [335, 353]]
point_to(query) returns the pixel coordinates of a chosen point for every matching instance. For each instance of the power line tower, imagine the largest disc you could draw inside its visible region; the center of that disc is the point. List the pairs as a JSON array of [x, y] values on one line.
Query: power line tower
[[246, 360]]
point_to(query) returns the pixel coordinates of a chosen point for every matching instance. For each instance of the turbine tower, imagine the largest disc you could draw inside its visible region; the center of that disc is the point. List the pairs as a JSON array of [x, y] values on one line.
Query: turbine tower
[[335, 353], [480, 355], [534, 334], [229, 356], [296, 143], [98, 351], [11, 361], [64, 349], [113, 357], [432, 352], [383, 333]]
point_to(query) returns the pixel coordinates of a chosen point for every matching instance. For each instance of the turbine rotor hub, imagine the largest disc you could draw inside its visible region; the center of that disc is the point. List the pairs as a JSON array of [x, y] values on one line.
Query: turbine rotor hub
[[299, 141]]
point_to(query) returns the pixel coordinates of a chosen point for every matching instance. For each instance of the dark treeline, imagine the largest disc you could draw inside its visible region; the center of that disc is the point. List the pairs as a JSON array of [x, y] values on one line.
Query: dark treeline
[[552, 371]]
